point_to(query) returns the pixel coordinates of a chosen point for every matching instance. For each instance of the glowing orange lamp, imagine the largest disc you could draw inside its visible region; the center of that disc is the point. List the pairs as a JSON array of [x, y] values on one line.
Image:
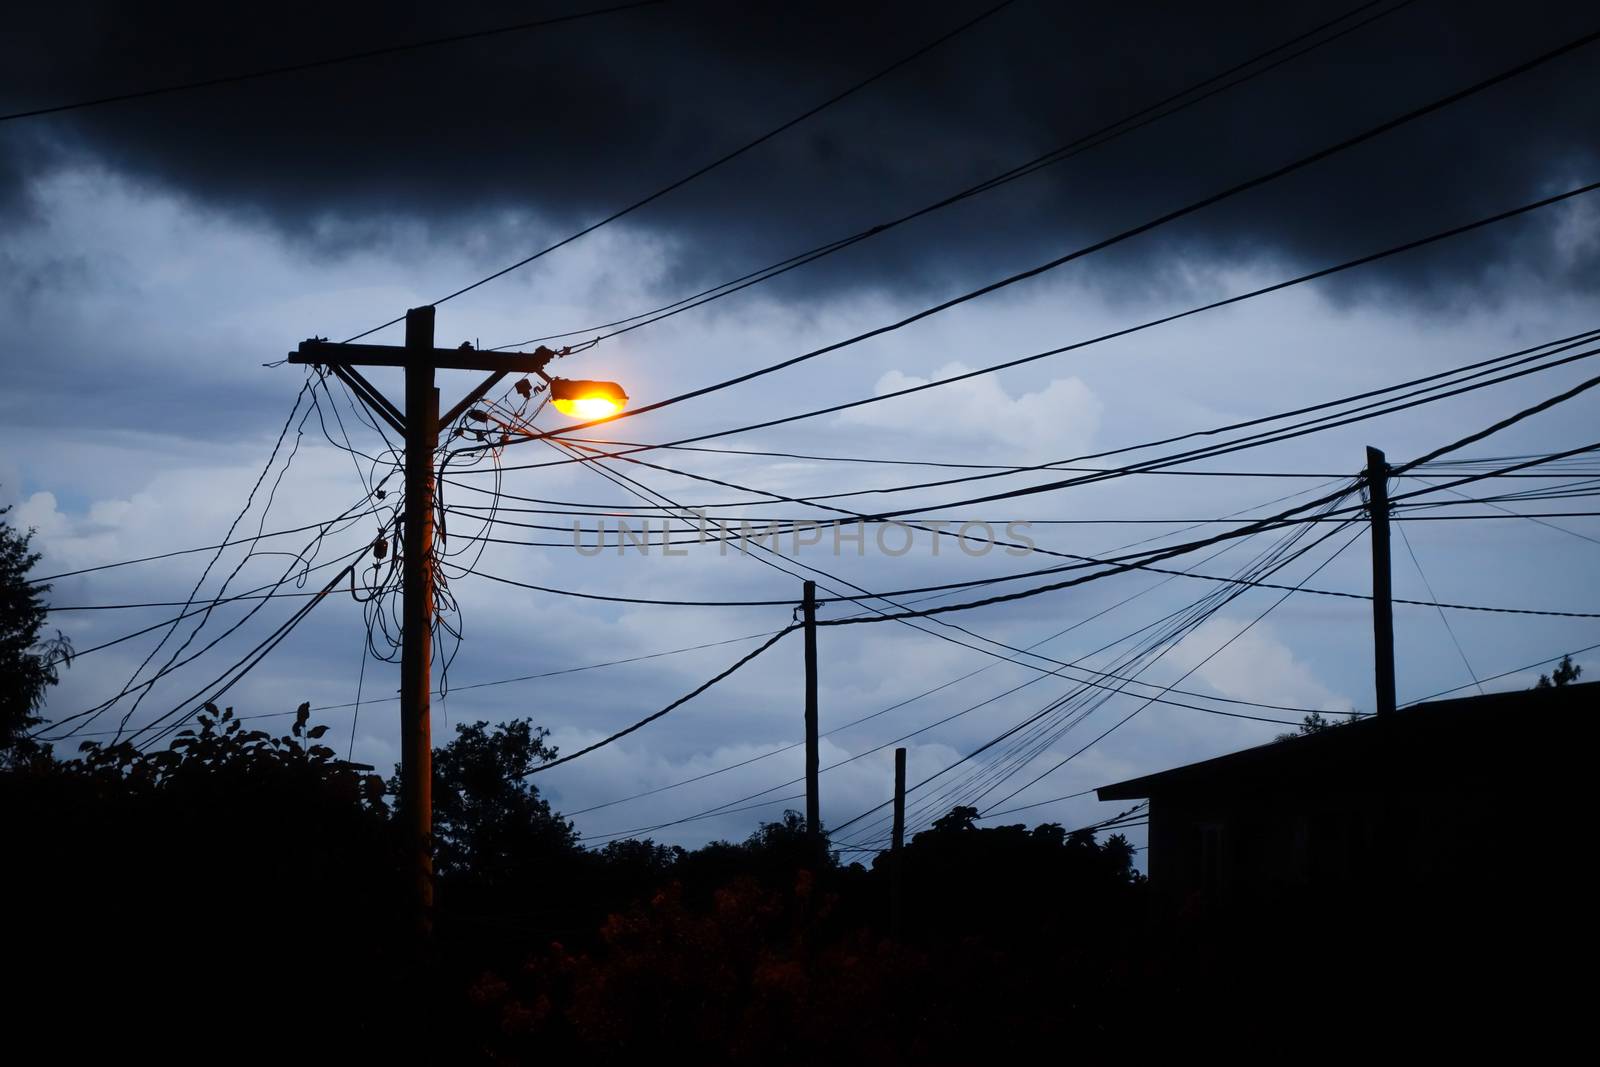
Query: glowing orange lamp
[[587, 399]]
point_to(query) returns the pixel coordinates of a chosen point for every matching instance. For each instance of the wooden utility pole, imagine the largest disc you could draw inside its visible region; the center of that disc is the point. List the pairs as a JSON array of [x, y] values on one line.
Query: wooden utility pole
[[420, 424], [896, 853], [416, 610], [1382, 594], [813, 802]]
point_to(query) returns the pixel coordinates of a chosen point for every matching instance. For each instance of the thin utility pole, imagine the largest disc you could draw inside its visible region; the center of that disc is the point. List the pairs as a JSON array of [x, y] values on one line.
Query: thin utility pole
[[419, 423], [1382, 593], [813, 802], [897, 854]]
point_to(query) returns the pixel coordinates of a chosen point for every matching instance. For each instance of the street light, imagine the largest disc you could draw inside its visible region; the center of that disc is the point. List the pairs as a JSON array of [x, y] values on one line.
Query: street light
[[584, 399]]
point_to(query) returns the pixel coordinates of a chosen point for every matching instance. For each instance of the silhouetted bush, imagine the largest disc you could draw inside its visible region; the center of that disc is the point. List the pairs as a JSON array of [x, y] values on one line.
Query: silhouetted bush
[[217, 882]]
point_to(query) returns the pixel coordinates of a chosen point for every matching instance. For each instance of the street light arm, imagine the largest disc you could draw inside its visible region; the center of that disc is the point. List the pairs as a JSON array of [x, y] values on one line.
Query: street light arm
[[470, 399]]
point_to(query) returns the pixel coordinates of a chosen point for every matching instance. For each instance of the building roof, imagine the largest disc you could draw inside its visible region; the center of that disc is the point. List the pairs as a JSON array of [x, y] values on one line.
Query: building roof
[[1515, 740]]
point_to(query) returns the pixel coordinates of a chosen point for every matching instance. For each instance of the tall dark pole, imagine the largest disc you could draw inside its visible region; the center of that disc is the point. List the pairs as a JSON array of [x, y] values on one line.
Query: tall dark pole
[[416, 649], [1382, 603], [896, 855], [813, 803], [419, 423]]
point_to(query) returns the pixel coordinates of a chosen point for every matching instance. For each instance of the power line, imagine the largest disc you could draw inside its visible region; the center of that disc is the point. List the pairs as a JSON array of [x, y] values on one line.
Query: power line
[[1451, 630], [967, 757], [1042, 730], [1534, 518], [1037, 804], [1096, 139], [1120, 567], [254, 594], [1321, 424], [1030, 651], [644, 493], [243, 667], [1207, 659], [1117, 561], [495, 682], [1482, 366], [1503, 674], [1082, 686], [1076, 665], [1045, 733], [1117, 564], [931, 632], [791, 526], [648, 719], [177, 552], [299, 563], [813, 457], [290, 68], [1128, 234], [1575, 615], [978, 583], [719, 161], [272, 458], [1146, 465], [1428, 383], [844, 726], [950, 465], [1265, 290]]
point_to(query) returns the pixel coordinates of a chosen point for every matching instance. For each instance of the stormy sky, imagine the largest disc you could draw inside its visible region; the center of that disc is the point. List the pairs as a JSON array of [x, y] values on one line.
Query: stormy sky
[[158, 252]]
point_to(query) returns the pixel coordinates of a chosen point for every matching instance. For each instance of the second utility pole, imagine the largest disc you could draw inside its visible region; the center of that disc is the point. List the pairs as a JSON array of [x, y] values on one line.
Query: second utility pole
[[813, 804], [897, 858], [1382, 603]]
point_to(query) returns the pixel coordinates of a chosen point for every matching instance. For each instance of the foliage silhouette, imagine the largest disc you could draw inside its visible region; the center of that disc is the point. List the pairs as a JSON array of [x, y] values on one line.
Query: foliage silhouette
[[766, 951], [227, 871], [250, 887], [28, 662], [1566, 673], [490, 824], [1313, 723]]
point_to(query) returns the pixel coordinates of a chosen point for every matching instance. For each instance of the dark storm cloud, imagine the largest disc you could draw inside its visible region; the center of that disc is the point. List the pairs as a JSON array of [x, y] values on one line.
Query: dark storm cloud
[[570, 122]]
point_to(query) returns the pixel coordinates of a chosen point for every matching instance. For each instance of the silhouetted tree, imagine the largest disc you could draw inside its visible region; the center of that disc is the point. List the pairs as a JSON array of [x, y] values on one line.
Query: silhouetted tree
[[489, 822], [1566, 673], [772, 856], [957, 820], [789, 845], [640, 857], [28, 663], [1315, 723]]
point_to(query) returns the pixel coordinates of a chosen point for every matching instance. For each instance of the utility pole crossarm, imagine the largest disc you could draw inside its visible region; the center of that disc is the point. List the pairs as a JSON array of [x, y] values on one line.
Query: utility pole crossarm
[[331, 353], [343, 359]]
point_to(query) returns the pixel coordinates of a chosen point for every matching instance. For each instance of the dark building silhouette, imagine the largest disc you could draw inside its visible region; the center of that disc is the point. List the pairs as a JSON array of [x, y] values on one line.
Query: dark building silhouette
[[1472, 802]]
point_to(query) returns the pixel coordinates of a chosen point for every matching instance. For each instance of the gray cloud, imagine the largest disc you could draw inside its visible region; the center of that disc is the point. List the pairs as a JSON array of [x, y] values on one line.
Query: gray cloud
[[562, 125]]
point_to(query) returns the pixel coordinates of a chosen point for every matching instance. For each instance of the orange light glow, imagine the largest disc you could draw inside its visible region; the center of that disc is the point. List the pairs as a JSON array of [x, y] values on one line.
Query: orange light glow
[[587, 399], [587, 407]]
